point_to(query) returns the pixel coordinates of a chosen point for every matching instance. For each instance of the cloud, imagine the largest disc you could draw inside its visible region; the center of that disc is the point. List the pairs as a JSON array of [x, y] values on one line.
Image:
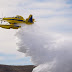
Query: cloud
[[1, 58], [8, 3], [8, 45]]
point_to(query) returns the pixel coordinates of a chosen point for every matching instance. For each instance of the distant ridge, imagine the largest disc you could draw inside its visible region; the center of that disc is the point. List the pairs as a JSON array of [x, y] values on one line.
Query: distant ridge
[[11, 68]]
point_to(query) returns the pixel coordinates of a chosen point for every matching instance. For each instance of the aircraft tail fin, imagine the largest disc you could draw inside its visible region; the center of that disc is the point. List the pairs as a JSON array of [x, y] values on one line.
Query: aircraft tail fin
[[30, 19]]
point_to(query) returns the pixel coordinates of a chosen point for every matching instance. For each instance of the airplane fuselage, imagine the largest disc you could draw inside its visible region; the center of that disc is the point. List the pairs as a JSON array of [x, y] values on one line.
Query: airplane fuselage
[[14, 20]]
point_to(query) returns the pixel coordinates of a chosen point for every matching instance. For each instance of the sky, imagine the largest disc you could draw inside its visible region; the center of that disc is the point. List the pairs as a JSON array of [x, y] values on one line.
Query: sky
[[50, 15]]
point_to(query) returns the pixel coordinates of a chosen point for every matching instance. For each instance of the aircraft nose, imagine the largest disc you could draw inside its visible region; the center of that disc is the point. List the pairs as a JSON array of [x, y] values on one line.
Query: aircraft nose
[[4, 18]]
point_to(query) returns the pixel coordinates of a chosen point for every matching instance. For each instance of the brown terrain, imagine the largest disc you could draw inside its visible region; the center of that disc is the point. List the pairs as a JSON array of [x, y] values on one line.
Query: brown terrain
[[10, 68]]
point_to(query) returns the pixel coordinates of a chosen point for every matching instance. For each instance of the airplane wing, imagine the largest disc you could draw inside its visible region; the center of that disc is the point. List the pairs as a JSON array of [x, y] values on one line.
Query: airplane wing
[[9, 26]]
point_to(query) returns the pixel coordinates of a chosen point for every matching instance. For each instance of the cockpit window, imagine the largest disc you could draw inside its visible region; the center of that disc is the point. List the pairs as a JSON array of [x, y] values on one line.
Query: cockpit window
[[15, 17], [18, 17]]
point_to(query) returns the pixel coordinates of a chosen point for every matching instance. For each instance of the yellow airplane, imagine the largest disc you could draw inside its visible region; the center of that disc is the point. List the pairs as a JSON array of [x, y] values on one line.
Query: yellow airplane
[[14, 21]]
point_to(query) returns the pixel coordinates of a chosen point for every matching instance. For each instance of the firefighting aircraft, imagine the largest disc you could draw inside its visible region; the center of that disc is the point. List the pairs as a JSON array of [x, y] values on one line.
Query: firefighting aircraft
[[14, 22]]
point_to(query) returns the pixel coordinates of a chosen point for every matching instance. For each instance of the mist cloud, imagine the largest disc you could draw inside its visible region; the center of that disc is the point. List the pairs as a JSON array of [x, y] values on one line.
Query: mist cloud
[[49, 52]]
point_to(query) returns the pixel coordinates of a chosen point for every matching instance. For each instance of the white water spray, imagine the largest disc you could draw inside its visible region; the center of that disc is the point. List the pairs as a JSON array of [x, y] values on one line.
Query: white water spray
[[49, 52]]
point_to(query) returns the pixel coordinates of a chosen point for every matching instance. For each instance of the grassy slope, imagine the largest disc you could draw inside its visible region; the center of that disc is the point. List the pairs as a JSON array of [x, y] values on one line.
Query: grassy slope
[[10, 68]]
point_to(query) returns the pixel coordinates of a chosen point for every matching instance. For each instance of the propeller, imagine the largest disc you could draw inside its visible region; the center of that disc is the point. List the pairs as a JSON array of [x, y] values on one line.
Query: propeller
[[1, 20]]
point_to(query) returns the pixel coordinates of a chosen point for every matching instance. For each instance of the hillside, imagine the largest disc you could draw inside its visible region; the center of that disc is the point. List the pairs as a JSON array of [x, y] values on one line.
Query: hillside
[[10, 68]]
